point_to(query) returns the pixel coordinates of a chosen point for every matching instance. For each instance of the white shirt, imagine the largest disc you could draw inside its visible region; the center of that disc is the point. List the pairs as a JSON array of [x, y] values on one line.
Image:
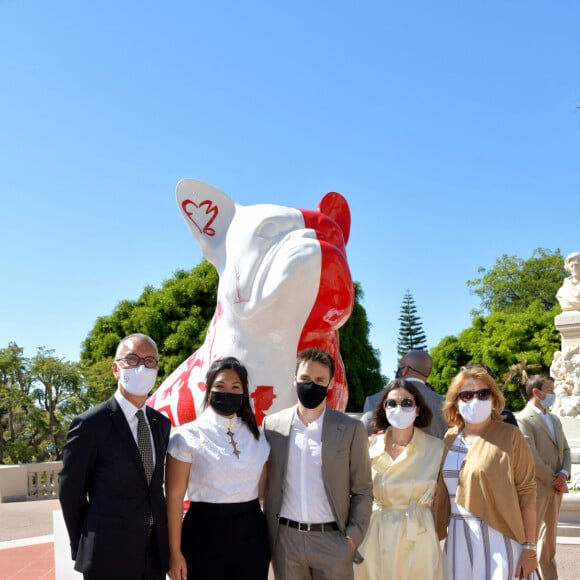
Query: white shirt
[[216, 474], [305, 498], [130, 412]]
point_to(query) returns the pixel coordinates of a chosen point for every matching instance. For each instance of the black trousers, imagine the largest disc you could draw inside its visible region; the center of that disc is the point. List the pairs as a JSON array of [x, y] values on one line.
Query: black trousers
[[225, 541], [152, 569]]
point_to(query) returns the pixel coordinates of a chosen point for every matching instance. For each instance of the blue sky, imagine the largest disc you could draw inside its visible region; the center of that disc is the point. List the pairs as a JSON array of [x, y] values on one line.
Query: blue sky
[[452, 129]]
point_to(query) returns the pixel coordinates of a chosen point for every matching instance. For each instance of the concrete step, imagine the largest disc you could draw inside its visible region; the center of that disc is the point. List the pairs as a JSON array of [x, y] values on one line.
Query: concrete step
[[568, 530]]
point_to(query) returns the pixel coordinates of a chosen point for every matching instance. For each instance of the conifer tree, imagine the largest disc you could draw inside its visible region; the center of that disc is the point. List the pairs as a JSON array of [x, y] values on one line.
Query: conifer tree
[[411, 333]]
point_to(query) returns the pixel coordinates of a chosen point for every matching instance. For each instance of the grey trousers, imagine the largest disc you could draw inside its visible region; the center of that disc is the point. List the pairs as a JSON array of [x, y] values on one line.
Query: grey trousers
[[312, 556]]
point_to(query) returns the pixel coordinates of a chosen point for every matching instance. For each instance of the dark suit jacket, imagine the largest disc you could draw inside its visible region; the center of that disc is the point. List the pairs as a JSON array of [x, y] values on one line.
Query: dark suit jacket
[[345, 469], [106, 501]]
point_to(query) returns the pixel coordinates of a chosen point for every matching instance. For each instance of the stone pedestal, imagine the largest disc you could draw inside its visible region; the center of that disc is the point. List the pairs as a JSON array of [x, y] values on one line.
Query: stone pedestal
[[568, 323], [565, 367]]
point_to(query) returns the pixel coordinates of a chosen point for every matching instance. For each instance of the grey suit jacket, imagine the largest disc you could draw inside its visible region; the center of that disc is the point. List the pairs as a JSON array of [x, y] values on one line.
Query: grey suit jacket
[[345, 470], [550, 455]]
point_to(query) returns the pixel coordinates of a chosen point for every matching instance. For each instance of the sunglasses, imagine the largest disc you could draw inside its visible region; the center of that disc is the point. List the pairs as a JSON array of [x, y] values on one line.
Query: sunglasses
[[482, 395], [405, 404]]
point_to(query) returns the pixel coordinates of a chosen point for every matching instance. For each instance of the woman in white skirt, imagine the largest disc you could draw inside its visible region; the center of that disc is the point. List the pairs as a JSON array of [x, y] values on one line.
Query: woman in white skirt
[[486, 495]]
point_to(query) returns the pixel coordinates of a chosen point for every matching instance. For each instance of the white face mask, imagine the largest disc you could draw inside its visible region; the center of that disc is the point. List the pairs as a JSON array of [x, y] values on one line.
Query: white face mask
[[138, 380], [401, 418], [475, 411]]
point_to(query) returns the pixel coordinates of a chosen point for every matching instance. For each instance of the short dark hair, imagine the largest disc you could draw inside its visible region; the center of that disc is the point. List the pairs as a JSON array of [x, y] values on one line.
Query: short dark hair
[[245, 412], [536, 382], [379, 422], [315, 355]]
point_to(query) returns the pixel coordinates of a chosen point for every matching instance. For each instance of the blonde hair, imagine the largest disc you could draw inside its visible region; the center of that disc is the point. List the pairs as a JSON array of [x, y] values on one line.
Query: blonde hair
[[479, 374]]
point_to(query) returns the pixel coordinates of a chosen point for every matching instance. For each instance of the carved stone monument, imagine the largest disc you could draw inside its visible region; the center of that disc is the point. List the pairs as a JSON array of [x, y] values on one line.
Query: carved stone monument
[[566, 364]]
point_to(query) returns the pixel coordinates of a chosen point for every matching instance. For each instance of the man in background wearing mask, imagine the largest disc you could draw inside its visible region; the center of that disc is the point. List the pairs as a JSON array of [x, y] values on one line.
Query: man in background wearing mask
[[111, 483], [545, 436], [318, 497], [416, 367]]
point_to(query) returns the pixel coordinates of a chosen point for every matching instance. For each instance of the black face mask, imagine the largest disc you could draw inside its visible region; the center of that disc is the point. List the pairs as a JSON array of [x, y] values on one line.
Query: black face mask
[[310, 394], [225, 404]]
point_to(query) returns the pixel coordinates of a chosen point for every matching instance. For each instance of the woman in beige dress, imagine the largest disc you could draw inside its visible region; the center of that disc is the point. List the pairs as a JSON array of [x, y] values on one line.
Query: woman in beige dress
[[401, 541]]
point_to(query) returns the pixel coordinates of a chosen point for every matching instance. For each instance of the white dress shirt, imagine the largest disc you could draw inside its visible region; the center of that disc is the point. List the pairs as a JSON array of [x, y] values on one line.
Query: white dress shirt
[[305, 498], [130, 412], [216, 474]]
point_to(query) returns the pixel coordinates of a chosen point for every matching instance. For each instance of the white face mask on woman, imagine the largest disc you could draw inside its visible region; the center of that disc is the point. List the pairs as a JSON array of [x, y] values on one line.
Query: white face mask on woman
[[401, 418], [137, 381], [475, 411]]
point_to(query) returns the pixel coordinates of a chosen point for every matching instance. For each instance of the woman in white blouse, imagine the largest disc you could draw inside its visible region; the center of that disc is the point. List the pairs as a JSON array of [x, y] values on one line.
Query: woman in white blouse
[[219, 460]]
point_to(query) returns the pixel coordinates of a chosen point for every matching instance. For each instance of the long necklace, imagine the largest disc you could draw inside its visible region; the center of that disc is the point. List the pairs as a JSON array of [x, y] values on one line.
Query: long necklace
[[233, 442]]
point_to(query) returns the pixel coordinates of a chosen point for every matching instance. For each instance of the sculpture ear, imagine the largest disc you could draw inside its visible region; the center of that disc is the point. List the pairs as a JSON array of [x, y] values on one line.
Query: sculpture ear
[[208, 213], [336, 207]]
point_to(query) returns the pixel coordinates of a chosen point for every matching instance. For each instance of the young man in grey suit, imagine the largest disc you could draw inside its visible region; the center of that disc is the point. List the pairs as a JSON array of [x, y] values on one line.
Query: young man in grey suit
[[318, 497], [111, 483], [545, 436]]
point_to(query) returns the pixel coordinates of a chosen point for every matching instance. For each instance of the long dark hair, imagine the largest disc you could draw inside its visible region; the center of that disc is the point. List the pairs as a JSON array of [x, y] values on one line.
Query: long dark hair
[[380, 422], [245, 411]]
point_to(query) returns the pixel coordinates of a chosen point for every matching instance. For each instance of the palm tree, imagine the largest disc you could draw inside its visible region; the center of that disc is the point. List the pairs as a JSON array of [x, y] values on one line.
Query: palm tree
[[518, 374]]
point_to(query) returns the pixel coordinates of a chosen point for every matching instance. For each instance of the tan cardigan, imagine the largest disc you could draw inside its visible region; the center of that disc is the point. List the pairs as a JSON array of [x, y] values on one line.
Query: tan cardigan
[[496, 480]]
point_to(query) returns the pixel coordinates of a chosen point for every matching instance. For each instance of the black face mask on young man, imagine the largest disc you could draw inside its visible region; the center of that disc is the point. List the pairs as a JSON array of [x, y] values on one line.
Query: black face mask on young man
[[310, 394], [225, 404]]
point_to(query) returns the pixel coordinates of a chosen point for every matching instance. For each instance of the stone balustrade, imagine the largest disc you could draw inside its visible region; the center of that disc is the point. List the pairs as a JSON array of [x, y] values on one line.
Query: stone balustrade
[[31, 481]]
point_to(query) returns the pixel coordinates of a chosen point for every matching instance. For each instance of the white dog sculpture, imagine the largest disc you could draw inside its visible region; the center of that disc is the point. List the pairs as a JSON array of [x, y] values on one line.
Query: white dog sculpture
[[284, 285]]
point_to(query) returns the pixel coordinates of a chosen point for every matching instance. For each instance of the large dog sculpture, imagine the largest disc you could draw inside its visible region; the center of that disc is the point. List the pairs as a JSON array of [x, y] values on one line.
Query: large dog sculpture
[[284, 286]]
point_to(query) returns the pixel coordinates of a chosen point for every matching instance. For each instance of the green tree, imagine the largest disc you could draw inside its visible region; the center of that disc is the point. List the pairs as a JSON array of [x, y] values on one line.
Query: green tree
[[361, 360], [513, 284], [411, 334], [176, 316], [517, 333], [57, 387], [34, 397], [15, 399]]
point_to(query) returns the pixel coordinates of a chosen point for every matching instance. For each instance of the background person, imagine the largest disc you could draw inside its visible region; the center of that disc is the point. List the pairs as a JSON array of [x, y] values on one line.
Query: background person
[[416, 367], [219, 460], [401, 542], [485, 501], [319, 493], [545, 436], [111, 483]]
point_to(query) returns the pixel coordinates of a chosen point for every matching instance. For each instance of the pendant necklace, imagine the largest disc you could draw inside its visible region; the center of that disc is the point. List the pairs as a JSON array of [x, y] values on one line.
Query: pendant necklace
[[233, 442]]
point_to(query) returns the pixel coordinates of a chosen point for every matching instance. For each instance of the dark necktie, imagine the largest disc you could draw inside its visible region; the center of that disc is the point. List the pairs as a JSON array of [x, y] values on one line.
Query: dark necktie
[[144, 444]]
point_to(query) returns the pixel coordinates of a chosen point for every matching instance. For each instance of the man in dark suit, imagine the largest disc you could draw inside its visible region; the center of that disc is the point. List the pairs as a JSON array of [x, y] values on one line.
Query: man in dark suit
[[318, 498], [111, 483], [544, 433]]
